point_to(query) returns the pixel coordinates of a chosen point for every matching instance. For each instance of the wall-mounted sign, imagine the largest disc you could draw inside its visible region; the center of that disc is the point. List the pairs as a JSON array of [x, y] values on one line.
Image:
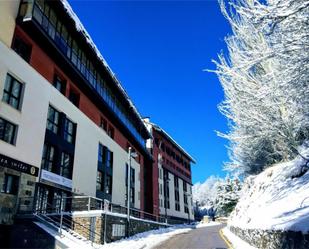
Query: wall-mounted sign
[[54, 178], [11, 163]]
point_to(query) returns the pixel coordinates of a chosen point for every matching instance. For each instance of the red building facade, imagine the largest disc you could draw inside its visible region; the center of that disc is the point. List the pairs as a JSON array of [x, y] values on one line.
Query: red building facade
[[175, 166]]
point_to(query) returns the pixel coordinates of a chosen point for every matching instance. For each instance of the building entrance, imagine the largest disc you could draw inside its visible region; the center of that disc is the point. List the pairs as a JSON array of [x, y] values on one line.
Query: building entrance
[[49, 199]]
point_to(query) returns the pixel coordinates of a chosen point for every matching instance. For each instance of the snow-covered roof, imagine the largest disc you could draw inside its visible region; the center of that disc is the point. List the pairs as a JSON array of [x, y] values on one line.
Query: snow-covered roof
[[159, 129], [80, 28]]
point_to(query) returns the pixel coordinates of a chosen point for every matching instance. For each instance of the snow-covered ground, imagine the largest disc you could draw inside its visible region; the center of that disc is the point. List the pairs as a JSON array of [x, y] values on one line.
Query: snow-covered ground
[[148, 240], [275, 199], [236, 242]]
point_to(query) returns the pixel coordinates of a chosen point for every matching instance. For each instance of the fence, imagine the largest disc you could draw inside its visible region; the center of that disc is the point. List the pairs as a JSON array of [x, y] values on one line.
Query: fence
[[30, 205]]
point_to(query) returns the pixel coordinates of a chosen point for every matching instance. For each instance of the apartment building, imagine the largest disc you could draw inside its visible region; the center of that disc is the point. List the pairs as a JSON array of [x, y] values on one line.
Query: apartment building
[[172, 179], [66, 123]]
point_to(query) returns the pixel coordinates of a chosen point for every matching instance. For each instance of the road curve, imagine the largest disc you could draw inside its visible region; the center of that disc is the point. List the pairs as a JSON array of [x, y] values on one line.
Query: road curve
[[199, 238]]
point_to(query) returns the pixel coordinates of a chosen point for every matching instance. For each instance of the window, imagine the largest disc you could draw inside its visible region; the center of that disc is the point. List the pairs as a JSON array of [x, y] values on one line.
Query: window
[[166, 190], [111, 132], [177, 206], [59, 84], [167, 203], [132, 195], [105, 157], [103, 124], [109, 159], [162, 146], [48, 157], [53, 120], [184, 186], [7, 131], [100, 180], [176, 182], [68, 131], [105, 173], [108, 185], [100, 154], [176, 195], [12, 92], [161, 191], [22, 48], [132, 175], [132, 184], [74, 97], [156, 142], [10, 184], [66, 165], [186, 209]]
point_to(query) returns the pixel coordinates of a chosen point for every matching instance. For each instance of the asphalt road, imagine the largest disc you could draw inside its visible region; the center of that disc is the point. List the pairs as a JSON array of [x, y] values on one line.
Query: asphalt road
[[199, 238]]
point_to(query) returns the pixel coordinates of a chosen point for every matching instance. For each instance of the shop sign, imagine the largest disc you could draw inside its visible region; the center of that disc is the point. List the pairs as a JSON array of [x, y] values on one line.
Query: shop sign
[[14, 164], [54, 178]]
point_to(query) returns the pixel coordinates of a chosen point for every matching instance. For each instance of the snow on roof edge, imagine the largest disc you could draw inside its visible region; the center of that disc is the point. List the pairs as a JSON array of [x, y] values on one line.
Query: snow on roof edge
[[158, 128], [80, 28]]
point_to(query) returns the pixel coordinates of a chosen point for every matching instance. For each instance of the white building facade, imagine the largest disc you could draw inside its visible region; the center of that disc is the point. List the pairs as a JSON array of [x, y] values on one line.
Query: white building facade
[[49, 147]]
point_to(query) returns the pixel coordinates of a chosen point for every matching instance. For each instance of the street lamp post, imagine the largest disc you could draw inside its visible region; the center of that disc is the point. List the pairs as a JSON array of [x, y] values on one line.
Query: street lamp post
[[131, 154]]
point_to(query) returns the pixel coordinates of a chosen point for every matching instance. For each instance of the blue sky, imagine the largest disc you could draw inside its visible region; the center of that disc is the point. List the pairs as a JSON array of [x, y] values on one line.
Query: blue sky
[[158, 50]]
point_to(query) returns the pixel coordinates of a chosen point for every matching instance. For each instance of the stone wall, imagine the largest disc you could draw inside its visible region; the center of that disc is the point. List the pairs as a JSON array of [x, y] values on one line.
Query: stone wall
[[271, 239], [9, 202], [116, 227]]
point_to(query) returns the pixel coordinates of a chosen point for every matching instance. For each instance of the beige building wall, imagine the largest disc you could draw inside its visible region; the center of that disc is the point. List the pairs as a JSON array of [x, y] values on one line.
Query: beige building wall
[[8, 13], [31, 120]]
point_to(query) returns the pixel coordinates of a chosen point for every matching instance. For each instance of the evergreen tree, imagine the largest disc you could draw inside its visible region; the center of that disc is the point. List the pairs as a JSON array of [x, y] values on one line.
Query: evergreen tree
[[228, 193]]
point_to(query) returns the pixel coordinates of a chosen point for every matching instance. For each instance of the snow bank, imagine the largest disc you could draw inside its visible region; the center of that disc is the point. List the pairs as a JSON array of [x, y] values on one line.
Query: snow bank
[[237, 242], [201, 224], [275, 199], [148, 240]]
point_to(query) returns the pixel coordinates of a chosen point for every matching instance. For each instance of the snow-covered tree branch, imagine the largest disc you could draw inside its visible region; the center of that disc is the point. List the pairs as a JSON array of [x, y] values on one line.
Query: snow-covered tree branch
[[265, 78]]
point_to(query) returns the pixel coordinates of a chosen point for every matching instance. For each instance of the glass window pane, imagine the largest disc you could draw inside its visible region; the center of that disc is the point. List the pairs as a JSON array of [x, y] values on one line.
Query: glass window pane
[[51, 31], [56, 117], [37, 14], [9, 184], [14, 103], [6, 97], [46, 10], [40, 3], [16, 89], [9, 133], [64, 33], [8, 82], [52, 17]]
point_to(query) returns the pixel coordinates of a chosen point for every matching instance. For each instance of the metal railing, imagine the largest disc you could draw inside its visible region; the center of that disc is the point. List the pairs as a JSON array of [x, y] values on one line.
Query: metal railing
[[58, 217], [67, 205]]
